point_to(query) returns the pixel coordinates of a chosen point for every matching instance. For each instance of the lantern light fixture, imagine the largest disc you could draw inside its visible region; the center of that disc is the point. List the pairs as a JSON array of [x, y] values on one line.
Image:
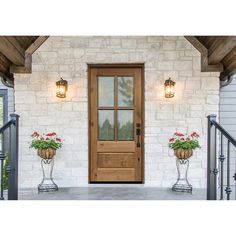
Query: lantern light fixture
[[169, 88], [62, 86]]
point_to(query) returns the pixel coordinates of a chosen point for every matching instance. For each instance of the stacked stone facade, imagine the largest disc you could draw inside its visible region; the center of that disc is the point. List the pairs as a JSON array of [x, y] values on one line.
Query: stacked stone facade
[[197, 95]]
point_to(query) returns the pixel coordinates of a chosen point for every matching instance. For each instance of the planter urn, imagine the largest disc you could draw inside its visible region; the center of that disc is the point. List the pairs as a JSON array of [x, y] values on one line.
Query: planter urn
[[183, 153], [47, 163], [182, 164], [48, 153]]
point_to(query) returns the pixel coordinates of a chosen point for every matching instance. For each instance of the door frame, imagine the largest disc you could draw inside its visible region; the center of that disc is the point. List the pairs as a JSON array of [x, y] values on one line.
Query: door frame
[[117, 65]]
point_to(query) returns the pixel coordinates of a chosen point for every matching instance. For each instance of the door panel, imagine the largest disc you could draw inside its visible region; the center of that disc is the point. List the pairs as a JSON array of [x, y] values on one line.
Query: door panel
[[115, 160], [115, 146], [115, 126], [115, 175]]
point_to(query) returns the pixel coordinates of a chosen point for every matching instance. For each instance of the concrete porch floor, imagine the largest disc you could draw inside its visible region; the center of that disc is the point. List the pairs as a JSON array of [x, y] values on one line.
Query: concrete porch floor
[[112, 193]]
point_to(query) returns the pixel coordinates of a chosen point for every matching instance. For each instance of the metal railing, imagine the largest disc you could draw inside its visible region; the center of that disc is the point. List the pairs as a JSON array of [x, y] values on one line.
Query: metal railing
[[12, 167], [219, 176]]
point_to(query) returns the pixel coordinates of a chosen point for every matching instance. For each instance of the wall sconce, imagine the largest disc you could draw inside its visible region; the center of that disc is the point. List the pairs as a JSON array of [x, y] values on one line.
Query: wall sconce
[[61, 88], [169, 88]]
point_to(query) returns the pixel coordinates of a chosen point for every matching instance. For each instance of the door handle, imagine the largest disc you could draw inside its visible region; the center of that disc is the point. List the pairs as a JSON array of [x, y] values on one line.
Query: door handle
[[138, 133]]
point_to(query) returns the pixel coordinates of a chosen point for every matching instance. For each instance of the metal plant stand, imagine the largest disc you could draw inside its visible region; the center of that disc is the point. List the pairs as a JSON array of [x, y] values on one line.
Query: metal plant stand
[[47, 184], [182, 184]]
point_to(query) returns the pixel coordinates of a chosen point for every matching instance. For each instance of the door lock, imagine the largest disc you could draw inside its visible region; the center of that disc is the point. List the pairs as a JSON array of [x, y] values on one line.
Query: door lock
[[138, 133]]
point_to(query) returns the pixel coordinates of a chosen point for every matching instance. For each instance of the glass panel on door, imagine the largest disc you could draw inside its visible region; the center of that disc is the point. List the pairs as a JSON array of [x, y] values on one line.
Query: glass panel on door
[[125, 91], [106, 125], [125, 125], [105, 91]]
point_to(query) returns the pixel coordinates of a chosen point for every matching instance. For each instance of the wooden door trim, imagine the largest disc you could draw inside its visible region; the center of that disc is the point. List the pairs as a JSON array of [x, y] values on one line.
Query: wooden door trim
[[117, 65]]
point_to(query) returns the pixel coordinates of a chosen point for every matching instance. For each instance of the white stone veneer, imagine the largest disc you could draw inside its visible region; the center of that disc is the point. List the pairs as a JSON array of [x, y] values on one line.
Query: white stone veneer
[[197, 95]]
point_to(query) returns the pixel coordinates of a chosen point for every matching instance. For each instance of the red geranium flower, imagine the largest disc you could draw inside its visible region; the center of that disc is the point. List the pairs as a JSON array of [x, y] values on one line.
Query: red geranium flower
[[36, 134], [194, 134], [58, 139], [182, 139], [171, 139], [42, 139], [179, 134]]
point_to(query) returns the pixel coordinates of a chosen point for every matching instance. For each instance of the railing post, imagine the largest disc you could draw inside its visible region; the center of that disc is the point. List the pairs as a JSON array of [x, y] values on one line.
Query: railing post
[[228, 188], [211, 159], [12, 168], [2, 157], [221, 159]]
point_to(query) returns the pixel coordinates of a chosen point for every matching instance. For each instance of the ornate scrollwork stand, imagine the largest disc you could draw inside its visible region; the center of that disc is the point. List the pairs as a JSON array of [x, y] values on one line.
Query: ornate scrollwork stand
[[47, 184], [182, 184]]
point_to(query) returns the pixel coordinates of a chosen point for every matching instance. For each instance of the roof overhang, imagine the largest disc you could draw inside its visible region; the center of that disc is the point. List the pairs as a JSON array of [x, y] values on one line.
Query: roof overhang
[[16, 54]]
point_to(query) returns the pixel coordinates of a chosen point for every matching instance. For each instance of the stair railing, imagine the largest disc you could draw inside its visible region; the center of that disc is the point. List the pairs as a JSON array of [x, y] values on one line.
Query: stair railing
[[216, 160], [12, 168]]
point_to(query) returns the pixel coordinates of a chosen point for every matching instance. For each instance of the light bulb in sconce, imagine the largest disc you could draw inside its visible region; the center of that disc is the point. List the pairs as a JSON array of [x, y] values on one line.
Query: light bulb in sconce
[[62, 86], [169, 88]]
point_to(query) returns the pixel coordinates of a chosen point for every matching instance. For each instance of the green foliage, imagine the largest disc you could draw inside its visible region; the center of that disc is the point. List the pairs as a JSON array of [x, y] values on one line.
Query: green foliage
[[184, 141], [45, 144], [5, 174], [45, 141], [189, 144]]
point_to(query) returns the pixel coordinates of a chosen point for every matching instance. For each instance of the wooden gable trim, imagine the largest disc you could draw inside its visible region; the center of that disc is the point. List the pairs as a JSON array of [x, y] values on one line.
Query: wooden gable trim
[[220, 48], [205, 66], [27, 68], [36, 44], [12, 50]]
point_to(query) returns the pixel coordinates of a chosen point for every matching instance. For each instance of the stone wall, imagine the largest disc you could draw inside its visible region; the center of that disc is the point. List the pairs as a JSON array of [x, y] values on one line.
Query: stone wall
[[197, 94]]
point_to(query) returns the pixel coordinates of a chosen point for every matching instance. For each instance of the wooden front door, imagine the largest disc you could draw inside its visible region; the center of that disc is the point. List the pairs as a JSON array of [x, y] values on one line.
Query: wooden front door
[[116, 123]]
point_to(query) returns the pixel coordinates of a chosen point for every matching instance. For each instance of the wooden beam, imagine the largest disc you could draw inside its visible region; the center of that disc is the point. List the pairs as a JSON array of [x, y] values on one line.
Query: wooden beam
[[4, 67], [26, 69], [205, 67], [4, 61], [28, 56], [12, 50], [197, 44], [36, 44], [220, 48], [229, 64]]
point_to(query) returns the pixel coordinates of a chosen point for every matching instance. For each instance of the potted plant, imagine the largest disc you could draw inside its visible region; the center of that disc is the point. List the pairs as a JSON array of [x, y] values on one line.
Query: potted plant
[[46, 144], [183, 145]]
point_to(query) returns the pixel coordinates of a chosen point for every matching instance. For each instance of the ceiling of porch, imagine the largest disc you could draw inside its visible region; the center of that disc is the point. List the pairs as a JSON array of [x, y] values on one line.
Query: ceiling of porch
[[16, 54], [218, 54]]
